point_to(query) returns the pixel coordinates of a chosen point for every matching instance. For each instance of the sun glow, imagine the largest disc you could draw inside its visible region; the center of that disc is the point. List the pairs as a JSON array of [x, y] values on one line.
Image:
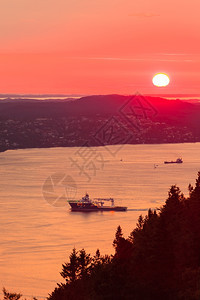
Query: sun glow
[[161, 80]]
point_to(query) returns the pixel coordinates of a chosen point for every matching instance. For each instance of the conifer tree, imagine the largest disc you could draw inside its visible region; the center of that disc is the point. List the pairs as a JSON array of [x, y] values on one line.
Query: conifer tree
[[96, 261], [70, 270], [195, 192], [84, 261], [118, 236]]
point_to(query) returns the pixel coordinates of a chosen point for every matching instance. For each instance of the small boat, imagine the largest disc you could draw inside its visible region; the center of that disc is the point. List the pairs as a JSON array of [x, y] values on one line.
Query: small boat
[[86, 205], [178, 161]]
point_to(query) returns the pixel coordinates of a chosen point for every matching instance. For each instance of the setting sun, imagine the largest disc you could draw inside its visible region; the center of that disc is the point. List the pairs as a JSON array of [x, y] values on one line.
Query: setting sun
[[161, 80]]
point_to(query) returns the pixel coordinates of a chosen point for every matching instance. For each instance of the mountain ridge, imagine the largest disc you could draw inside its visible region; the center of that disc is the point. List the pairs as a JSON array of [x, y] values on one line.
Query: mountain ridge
[[99, 119]]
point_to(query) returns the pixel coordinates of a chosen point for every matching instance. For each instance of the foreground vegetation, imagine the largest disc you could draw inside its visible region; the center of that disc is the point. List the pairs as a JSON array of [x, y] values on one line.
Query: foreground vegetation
[[159, 260], [13, 296]]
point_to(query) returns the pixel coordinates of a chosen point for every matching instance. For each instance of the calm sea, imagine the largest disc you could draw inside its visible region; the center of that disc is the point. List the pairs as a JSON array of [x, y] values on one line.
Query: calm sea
[[38, 230]]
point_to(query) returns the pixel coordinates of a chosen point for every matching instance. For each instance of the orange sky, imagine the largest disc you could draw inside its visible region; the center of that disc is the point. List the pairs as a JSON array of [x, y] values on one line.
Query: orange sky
[[98, 47]]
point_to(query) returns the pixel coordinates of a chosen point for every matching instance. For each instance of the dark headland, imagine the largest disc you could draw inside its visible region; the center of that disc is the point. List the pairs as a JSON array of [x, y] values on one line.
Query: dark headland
[[96, 121]]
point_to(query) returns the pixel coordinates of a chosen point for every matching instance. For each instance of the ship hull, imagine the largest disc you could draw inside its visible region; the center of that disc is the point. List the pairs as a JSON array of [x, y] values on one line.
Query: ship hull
[[90, 207], [172, 162]]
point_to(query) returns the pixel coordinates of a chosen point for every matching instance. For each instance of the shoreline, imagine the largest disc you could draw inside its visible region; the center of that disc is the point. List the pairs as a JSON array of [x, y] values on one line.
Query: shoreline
[[79, 146]]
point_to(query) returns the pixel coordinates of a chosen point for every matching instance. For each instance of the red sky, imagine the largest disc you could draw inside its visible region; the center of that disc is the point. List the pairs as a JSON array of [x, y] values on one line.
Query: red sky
[[99, 47]]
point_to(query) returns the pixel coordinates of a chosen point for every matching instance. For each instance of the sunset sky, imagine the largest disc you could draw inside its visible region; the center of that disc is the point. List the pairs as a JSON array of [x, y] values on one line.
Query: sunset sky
[[99, 47]]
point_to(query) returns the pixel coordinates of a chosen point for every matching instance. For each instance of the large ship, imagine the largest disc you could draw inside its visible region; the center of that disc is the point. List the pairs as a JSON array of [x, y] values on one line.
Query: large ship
[[86, 204], [178, 161]]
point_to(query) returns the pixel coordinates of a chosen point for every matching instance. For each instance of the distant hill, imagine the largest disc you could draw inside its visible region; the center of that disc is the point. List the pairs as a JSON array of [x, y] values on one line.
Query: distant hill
[[90, 105], [173, 111], [70, 122]]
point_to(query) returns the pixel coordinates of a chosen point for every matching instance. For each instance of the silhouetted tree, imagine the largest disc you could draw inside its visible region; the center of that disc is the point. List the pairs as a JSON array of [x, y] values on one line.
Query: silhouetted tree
[[194, 218], [97, 259], [84, 263], [11, 296], [70, 270], [118, 236], [139, 227], [190, 189]]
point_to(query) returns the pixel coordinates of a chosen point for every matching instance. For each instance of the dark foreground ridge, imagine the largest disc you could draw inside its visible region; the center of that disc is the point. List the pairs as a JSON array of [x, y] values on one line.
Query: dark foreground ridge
[[159, 260], [97, 121]]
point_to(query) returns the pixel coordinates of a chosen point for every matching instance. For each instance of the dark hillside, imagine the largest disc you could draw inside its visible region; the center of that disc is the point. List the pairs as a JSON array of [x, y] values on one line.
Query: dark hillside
[[63, 123]]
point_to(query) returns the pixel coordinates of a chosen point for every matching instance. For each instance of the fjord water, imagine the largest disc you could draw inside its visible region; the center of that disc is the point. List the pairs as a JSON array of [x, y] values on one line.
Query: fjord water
[[39, 232]]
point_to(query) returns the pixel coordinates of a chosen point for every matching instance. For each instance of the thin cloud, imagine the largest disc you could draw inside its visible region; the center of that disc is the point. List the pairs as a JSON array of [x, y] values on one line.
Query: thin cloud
[[144, 15], [175, 54], [137, 59]]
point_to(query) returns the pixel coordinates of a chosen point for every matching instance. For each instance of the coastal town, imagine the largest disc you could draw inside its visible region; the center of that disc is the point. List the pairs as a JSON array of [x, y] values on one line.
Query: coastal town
[[96, 131]]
